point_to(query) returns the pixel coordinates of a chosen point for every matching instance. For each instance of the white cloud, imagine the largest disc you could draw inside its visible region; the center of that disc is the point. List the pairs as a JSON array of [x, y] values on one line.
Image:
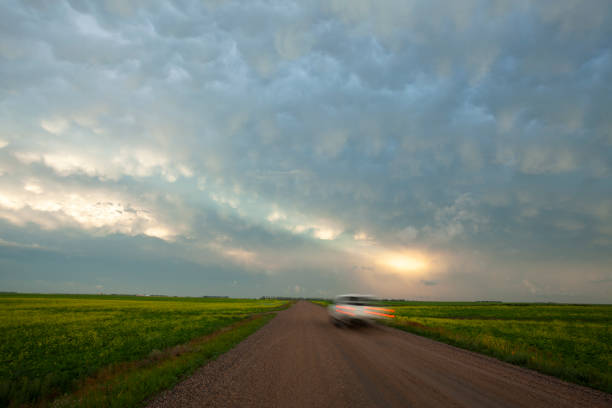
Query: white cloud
[[221, 198], [361, 236], [101, 211], [276, 216], [178, 74], [66, 164], [241, 255], [160, 232], [322, 232], [325, 233], [137, 163], [33, 187], [55, 125], [19, 245], [27, 157]]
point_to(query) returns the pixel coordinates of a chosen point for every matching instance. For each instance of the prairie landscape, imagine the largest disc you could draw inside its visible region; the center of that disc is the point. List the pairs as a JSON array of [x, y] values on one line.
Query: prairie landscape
[[97, 350], [104, 345], [451, 157]]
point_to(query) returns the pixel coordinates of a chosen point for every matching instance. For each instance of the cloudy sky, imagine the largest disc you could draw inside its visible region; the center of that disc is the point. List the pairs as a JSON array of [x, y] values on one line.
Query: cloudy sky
[[411, 149]]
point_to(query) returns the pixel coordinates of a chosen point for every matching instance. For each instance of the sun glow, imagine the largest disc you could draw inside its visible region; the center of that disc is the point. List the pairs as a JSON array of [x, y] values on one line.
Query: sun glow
[[405, 262]]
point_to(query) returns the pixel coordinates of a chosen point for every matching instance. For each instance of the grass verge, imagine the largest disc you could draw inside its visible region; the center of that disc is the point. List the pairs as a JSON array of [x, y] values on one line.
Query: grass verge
[[569, 363], [130, 384]]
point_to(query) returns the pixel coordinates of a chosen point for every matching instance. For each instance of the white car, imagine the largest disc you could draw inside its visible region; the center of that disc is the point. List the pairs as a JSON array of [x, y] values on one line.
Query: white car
[[354, 309]]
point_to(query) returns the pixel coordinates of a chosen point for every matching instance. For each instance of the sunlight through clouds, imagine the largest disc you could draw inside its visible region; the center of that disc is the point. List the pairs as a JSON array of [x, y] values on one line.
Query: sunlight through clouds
[[97, 211], [339, 146], [404, 263]]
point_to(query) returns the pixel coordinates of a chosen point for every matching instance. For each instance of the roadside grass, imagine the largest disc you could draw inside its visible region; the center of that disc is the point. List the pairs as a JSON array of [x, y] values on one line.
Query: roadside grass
[[129, 385], [323, 303], [572, 342], [49, 344]]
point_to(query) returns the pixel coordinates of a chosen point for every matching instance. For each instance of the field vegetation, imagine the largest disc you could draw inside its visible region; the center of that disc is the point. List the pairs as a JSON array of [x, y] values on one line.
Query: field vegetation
[[116, 350], [572, 342], [323, 303]]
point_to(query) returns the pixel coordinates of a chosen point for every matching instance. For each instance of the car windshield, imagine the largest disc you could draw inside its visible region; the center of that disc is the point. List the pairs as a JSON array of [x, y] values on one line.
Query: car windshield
[[354, 300]]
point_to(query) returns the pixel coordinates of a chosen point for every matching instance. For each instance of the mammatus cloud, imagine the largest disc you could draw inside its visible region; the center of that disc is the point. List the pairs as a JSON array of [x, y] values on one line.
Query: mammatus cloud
[[413, 149], [134, 163]]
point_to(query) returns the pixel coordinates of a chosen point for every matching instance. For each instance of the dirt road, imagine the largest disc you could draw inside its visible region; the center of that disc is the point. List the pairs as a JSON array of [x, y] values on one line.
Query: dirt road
[[301, 360]]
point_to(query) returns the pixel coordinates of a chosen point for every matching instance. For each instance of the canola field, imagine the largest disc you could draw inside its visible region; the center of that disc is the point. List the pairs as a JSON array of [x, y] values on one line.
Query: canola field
[[50, 343], [572, 342]]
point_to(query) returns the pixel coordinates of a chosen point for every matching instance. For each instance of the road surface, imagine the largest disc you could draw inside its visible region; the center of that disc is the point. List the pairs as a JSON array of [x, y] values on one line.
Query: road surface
[[300, 359]]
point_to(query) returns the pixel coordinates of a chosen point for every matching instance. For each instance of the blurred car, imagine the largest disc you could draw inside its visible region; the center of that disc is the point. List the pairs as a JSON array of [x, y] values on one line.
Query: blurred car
[[355, 309]]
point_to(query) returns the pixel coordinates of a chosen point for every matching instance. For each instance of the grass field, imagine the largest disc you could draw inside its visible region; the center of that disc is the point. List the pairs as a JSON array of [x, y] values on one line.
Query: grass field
[[55, 344], [323, 303], [572, 342]]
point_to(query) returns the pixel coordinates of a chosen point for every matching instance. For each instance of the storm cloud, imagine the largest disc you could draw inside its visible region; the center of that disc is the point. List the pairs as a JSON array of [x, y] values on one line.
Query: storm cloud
[[413, 149]]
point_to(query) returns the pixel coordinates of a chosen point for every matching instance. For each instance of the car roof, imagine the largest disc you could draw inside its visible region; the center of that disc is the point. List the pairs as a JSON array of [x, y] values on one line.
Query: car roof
[[355, 295]]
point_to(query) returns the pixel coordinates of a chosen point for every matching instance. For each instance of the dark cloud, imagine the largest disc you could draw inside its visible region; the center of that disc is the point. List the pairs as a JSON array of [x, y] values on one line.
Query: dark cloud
[[303, 145]]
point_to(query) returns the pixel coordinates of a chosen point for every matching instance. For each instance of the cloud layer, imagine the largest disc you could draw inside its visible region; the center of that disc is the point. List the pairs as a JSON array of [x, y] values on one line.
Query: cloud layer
[[418, 149]]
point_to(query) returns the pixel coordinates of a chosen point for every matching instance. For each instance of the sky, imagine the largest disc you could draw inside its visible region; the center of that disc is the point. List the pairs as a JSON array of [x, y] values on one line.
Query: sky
[[426, 150]]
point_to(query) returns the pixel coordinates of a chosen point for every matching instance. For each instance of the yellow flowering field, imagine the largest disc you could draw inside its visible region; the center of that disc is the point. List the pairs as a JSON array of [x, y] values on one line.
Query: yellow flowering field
[[50, 343]]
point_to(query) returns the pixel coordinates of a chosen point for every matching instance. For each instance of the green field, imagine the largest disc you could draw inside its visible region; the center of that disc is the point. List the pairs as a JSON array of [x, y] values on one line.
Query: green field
[[51, 344], [572, 342]]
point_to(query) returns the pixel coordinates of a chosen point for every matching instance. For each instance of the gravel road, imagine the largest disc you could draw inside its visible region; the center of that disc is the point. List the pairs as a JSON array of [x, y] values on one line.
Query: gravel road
[[301, 360]]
